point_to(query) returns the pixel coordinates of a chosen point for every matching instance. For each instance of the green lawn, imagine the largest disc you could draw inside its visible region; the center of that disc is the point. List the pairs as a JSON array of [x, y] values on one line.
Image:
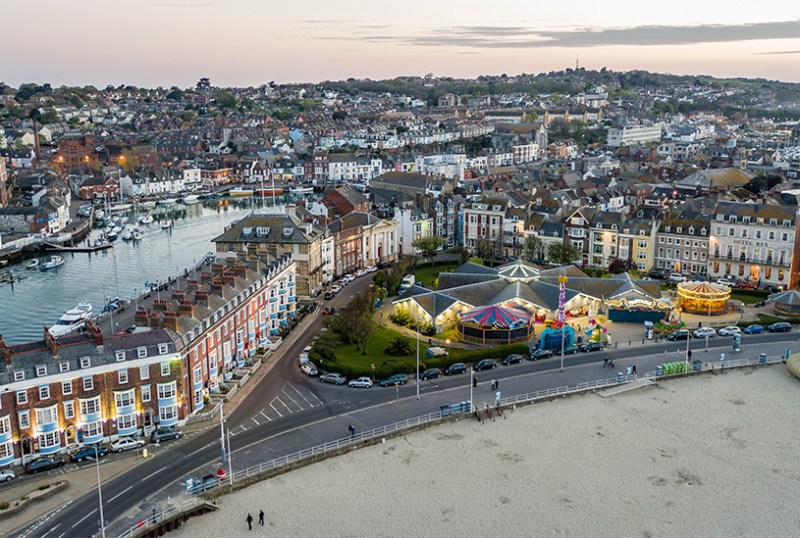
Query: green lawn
[[426, 275], [746, 298], [352, 362]]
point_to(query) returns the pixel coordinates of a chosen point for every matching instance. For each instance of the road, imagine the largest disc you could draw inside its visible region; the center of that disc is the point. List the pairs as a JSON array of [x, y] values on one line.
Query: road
[[292, 412]]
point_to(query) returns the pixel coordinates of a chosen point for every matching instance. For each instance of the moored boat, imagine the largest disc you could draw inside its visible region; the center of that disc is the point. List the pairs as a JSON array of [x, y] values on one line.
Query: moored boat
[[72, 319], [167, 201], [147, 219], [239, 192], [33, 264], [53, 263], [190, 199], [166, 224]]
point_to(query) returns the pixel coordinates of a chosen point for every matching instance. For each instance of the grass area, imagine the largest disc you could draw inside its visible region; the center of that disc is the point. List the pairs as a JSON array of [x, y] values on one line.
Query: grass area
[[426, 275], [452, 334], [351, 362], [746, 298]]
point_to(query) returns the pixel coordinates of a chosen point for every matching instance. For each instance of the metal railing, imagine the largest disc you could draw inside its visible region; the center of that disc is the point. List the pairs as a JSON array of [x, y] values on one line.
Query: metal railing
[[157, 518], [208, 415]]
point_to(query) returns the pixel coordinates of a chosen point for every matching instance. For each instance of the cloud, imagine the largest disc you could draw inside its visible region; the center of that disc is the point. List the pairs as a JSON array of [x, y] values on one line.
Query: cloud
[[777, 52], [192, 5], [521, 37]]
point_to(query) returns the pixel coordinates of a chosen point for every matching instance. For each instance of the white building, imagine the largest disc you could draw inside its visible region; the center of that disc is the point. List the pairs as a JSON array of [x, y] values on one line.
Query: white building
[[632, 134], [412, 224]]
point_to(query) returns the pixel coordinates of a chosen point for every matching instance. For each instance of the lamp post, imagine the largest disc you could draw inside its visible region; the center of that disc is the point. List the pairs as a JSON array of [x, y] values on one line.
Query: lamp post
[[99, 491], [709, 324], [417, 360]]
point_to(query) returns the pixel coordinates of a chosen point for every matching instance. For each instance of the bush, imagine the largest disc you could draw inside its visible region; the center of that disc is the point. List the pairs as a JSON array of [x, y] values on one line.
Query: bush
[[401, 317], [427, 329], [44, 487], [399, 347], [4, 506]]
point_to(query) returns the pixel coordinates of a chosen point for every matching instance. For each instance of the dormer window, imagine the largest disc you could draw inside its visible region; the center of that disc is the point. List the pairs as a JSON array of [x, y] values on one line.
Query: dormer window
[[746, 220], [731, 218], [679, 229], [786, 223], [691, 230], [773, 222], [703, 231], [667, 228]]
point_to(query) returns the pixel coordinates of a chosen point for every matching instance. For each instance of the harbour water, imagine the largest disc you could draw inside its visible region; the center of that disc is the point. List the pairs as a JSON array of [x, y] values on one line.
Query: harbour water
[[40, 298]]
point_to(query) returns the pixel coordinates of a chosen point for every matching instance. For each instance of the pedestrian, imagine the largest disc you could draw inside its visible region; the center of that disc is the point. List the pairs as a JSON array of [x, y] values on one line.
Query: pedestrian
[[689, 354], [634, 369], [497, 385], [492, 385], [474, 381], [352, 430], [249, 522], [261, 518]]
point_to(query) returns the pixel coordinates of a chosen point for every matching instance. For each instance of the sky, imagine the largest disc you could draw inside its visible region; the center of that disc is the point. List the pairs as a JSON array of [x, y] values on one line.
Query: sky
[[251, 42]]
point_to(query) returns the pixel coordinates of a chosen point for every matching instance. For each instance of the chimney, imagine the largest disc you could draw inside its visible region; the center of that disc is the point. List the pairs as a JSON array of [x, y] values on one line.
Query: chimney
[[155, 322], [50, 340], [171, 321], [229, 278], [184, 308], [191, 285], [140, 318], [5, 351], [217, 268], [160, 305], [216, 286], [201, 298], [205, 276], [97, 334], [241, 270], [177, 295], [38, 149]]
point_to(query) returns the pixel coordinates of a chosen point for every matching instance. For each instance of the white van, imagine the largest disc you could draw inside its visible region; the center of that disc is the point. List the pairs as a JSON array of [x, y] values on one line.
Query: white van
[[407, 282]]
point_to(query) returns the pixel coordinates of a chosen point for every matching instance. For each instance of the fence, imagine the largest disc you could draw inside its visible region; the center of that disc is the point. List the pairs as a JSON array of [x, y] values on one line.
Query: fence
[[210, 482], [159, 518], [208, 415]]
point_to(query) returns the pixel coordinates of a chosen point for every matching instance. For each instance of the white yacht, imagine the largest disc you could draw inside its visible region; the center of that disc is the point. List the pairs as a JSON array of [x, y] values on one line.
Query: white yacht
[[72, 320]]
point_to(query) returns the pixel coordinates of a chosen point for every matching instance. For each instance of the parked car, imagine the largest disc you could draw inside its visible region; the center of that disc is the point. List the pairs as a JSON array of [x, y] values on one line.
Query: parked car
[[730, 330], [677, 278], [779, 327], [537, 354], [484, 364], [770, 288], [336, 379], [309, 369], [746, 285], [658, 274], [430, 373], [704, 332], [88, 452], [755, 328], [348, 278], [680, 334], [371, 268], [165, 434], [7, 474], [394, 379], [126, 443], [45, 463], [328, 311], [514, 358], [455, 368], [724, 282], [361, 272], [591, 346], [336, 288], [361, 382], [330, 294]]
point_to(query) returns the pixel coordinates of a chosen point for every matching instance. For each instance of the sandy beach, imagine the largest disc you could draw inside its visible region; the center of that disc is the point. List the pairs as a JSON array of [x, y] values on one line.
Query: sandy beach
[[706, 456]]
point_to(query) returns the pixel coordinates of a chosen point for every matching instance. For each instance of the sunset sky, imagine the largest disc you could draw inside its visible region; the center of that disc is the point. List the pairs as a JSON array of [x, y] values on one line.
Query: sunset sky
[[250, 42]]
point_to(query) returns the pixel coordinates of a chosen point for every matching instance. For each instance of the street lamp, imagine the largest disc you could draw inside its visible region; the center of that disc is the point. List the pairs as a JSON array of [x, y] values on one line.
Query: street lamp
[[709, 324], [417, 360], [99, 490]]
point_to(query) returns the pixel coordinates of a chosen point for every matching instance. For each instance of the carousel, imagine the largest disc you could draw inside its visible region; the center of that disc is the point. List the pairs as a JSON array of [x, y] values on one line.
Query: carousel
[[703, 297], [495, 325]]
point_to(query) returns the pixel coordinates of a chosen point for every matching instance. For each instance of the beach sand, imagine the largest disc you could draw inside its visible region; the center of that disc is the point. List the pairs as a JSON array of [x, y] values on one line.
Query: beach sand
[[709, 455]]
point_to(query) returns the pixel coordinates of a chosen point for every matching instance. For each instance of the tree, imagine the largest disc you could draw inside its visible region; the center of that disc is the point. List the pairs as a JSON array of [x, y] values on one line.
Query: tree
[[175, 94], [326, 344], [534, 248], [563, 252], [355, 324], [484, 249], [400, 346], [617, 266], [128, 160], [427, 246], [224, 99], [339, 115]]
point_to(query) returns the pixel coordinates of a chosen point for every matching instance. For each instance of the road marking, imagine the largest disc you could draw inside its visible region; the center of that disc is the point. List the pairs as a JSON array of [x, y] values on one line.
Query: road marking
[[316, 398], [273, 408], [120, 493], [54, 527], [84, 517], [301, 395], [293, 400], [62, 534], [152, 474], [264, 415], [288, 409], [254, 420]]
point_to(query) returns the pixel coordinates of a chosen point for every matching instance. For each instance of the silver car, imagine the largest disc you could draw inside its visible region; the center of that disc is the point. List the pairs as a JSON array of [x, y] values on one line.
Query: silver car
[[6, 475], [336, 379]]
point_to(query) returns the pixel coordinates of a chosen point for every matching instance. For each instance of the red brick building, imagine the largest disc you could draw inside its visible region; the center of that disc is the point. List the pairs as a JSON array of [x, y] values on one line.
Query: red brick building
[[76, 150]]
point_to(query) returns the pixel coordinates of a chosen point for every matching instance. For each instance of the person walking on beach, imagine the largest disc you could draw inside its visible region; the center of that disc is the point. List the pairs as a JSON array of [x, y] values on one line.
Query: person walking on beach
[[261, 518], [249, 522]]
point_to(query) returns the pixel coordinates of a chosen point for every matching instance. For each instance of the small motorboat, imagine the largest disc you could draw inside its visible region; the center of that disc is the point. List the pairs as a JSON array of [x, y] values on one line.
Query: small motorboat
[[191, 199], [53, 263], [167, 201], [127, 235], [111, 235], [166, 224], [33, 264], [240, 192], [72, 320], [147, 219], [137, 235]]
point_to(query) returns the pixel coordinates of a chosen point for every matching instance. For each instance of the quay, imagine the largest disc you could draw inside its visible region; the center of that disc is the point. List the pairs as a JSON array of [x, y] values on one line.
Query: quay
[[64, 248]]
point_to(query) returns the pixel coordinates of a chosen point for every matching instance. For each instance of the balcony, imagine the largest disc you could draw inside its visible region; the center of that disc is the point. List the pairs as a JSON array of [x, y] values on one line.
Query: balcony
[[769, 260]]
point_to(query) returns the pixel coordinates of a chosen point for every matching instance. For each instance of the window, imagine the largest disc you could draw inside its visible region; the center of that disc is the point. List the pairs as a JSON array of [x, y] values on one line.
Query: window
[[90, 406], [44, 392], [88, 383], [119, 355], [6, 450], [24, 419], [125, 422], [63, 366], [69, 409], [66, 387], [122, 377], [19, 375], [197, 374], [144, 372], [146, 393], [48, 415], [49, 440], [166, 390], [5, 425], [93, 429], [168, 412], [41, 370], [86, 362], [124, 399], [141, 352], [163, 349], [164, 368], [22, 397], [784, 237]]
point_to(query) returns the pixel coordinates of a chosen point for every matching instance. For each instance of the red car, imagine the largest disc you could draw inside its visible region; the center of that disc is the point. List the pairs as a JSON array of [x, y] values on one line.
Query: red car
[[745, 285]]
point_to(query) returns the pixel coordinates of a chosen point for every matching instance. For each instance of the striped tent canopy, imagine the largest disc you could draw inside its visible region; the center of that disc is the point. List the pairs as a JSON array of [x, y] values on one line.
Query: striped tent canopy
[[499, 317]]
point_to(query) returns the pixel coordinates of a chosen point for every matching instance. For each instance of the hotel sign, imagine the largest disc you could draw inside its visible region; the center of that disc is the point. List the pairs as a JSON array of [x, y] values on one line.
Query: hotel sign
[[751, 243]]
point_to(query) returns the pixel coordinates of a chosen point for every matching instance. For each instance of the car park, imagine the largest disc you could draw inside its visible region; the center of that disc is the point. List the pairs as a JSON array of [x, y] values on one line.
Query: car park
[[45, 463], [6, 475], [704, 332], [485, 364], [333, 378], [309, 369], [455, 368], [729, 330], [126, 443], [591, 346], [680, 334], [394, 379], [514, 358], [779, 327], [88, 452], [361, 382], [537, 354], [430, 373], [754, 328], [165, 433]]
